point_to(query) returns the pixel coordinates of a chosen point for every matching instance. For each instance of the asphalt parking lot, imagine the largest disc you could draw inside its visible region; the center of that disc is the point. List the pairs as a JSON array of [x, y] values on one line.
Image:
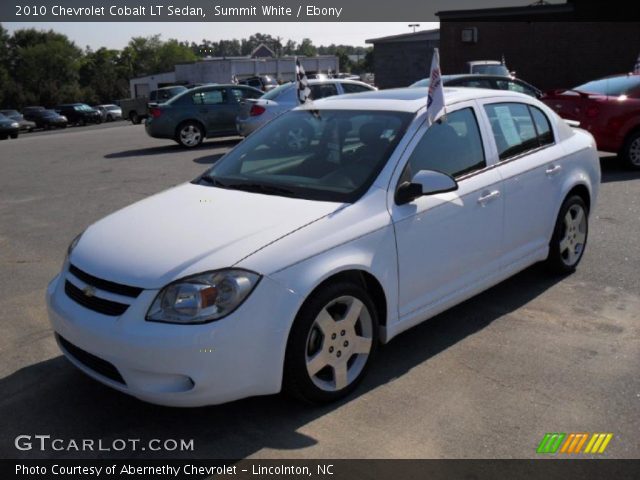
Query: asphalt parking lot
[[485, 380]]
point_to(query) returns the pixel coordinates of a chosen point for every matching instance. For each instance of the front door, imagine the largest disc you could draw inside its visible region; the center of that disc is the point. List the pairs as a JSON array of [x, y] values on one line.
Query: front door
[[447, 243]]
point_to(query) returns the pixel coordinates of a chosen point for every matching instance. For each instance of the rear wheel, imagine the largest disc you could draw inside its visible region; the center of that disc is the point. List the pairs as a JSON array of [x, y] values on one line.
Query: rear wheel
[[569, 236], [631, 151], [190, 134], [135, 118], [331, 343]]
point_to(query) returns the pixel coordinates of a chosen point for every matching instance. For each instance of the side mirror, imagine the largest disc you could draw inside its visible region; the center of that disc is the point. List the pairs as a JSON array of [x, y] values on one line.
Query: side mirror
[[425, 182]]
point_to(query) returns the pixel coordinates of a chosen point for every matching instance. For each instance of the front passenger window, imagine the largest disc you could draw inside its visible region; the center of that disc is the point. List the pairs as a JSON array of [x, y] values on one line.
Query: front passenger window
[[452, 146]]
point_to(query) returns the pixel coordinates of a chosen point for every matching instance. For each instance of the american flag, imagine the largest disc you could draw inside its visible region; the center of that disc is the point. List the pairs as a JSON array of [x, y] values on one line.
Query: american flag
[[304, 92]]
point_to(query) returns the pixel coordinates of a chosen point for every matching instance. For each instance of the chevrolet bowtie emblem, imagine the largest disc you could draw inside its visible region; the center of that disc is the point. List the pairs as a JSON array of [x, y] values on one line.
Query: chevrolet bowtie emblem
[[89, 291]]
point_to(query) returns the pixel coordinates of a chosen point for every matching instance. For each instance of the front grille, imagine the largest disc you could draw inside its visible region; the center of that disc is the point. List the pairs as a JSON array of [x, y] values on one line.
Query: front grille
[[97, 304], [92, 362], [105, 285]]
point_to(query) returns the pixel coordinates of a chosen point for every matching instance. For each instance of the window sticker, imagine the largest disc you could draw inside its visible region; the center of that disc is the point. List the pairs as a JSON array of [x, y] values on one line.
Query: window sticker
[[507, 125]]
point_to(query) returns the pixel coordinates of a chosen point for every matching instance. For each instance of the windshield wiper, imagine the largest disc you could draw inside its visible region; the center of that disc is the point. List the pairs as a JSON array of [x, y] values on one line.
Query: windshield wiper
[[213, 181], [261, 188]]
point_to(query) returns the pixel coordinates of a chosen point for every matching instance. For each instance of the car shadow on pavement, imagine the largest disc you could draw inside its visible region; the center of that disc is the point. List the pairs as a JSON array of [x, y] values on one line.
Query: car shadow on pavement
[[53, 398], [208, 159], [614, 170], [164, 149]]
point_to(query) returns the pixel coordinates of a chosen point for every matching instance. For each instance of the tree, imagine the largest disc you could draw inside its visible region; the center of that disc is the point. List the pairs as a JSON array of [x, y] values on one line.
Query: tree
[[307, 48], [102, 78], [44, 68], [4, 63]]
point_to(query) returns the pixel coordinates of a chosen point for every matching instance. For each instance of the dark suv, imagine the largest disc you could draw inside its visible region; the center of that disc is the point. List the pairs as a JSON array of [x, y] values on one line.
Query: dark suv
[[262, 82], [79, 113]]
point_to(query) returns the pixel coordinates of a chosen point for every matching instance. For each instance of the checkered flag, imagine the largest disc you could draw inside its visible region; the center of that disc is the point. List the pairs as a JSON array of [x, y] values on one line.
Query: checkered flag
[[636, 68], [234, 80], [304, 92]]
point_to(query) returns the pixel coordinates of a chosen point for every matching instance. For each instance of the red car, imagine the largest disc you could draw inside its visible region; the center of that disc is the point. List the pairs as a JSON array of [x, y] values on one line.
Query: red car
[[609, 108]]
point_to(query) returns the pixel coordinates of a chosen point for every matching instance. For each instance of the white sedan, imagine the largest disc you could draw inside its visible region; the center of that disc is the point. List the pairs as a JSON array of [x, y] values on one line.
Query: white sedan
[[284, 270]]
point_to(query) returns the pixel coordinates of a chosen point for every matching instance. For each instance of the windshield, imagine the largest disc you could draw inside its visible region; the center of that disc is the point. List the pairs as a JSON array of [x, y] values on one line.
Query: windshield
[[490, 70], [10, 113], [112, 107], [331, 155], [48, 113], [275, 93], [613, 87]]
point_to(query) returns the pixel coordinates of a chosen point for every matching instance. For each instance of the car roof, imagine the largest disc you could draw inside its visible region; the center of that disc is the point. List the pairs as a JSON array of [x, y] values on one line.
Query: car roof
[[484, 62], [405, 99]]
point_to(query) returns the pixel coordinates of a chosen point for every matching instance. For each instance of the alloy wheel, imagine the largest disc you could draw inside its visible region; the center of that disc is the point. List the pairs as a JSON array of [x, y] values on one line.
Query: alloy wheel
[[339, 343], [190, 135], [575, 235]]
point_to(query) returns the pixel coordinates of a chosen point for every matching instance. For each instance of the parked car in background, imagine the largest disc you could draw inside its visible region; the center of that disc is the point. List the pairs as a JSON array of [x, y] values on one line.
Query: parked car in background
[[29, 112], [199, 113], [47, 119], [255, 113], [109, 112], [25, 125], [137, 109], [346, 76], [8, 127], [488, 67], [609, 108], [293, 268], [493, 82], [79, 113], [261, 82]]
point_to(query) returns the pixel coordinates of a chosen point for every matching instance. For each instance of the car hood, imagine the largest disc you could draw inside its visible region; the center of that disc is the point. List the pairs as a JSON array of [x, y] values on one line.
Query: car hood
[[187, 230]]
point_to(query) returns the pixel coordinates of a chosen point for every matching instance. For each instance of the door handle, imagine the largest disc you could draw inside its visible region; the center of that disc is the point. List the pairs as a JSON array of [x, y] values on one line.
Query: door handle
[[488, 196], [553, 170]]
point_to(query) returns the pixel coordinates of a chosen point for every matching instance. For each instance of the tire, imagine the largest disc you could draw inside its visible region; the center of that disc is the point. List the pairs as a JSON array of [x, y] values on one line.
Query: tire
[[630, 153], [569, 236], [15, 135], [189, 134], [320, 343], [135, 118], [109, 118]]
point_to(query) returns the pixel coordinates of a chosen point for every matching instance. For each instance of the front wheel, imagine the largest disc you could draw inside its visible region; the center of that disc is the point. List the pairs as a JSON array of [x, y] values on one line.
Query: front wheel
[[631, 151], [331, 343], [569, 236], [135, 118]]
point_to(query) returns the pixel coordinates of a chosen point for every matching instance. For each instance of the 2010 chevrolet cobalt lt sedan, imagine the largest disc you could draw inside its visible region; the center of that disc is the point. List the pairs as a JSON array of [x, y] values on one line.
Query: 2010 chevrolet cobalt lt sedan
[[284, 270]]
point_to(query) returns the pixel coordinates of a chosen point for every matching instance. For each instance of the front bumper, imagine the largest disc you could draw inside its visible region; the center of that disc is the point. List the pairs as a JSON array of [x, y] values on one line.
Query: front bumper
[[178, 365]]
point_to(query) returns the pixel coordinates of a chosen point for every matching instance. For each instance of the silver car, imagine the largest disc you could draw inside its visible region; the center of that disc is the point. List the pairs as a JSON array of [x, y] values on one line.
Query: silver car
[[109, 112], [255, 113]]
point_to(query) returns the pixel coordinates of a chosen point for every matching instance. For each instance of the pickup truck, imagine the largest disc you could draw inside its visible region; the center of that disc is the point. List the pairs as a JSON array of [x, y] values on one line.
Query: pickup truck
[[137, 109]]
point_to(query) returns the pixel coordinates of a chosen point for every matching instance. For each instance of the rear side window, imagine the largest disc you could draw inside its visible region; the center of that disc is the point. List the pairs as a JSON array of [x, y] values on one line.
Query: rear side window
[[354, 88], [543, 127], [453, 146], [512, 127], [209, 97], [323, 90], [239, 94]]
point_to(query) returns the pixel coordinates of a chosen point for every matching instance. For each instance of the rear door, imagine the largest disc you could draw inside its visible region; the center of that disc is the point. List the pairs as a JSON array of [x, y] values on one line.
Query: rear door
[[214, 110], [530, 163]]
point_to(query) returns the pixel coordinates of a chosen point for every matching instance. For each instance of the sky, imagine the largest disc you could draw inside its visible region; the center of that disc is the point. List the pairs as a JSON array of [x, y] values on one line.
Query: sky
[[117, 35]]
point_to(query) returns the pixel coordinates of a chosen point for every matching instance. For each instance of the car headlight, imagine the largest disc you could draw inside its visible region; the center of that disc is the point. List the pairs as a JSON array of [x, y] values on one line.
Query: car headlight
[[202, 298], [15, 124]]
